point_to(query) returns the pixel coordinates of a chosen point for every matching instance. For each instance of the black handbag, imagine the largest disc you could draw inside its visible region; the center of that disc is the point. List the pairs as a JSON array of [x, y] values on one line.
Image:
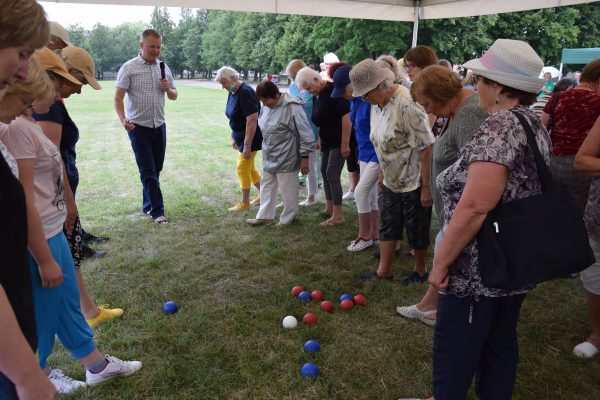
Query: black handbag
[[535, 239]]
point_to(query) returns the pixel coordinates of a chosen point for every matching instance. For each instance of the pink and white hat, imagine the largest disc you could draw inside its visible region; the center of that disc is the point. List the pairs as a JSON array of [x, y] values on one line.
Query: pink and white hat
[[512, 63]]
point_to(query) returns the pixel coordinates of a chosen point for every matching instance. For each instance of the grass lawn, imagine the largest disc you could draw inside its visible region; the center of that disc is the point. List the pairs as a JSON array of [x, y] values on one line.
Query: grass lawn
[[232, 283]]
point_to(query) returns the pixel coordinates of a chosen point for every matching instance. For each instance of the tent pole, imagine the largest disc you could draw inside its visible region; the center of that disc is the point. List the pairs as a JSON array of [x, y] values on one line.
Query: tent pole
[[416, 23]]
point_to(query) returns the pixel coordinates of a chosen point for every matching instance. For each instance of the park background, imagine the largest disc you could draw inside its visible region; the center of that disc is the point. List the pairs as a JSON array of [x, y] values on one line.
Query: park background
[[232, 281]]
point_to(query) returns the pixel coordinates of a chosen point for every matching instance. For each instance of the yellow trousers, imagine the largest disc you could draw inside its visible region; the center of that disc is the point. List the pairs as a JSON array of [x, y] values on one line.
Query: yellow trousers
[[248, 175]]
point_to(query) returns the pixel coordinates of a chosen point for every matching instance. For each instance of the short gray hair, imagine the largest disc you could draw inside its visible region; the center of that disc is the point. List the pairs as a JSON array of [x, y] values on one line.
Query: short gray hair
[[306, 76], [389, 62], [227, 73]]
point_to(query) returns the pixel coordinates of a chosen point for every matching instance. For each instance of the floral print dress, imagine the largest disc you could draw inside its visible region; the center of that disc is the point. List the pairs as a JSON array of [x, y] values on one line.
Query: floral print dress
[[500, 139]]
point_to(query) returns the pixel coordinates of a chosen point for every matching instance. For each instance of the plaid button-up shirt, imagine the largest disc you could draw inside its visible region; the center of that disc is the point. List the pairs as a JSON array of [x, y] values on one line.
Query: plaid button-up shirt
[[145, 97]]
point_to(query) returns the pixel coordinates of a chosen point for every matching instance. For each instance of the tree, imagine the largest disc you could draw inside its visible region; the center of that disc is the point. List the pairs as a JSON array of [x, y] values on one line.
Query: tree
[[78, 36], [192, 42], [160, 20], [217, 49], [102, 48]]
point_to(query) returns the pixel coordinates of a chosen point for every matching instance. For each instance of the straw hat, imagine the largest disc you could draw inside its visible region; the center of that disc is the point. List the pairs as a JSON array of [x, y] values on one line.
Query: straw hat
[[57, 30], [80, 59], [51, 61], [366, 76], [512, 63]]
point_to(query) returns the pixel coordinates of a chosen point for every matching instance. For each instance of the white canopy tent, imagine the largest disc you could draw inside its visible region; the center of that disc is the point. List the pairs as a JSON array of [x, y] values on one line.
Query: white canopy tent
[[389, 10]]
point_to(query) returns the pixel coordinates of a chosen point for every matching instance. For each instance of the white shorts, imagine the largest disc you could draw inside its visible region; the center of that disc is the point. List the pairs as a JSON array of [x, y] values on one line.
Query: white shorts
[[591, 275]]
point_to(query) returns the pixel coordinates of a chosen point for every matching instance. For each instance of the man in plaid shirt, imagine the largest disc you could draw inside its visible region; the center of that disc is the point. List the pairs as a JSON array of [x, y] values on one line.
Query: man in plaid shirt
[[141, 84]]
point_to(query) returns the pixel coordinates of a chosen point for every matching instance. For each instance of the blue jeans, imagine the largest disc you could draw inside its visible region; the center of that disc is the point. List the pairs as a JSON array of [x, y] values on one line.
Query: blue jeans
[[475, 338], [7, 389], [149, 146]]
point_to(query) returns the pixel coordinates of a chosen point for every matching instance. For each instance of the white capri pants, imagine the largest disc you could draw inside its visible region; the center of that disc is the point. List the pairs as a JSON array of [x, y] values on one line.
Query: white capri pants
[[288, 185], [591, 275], [365, 194]]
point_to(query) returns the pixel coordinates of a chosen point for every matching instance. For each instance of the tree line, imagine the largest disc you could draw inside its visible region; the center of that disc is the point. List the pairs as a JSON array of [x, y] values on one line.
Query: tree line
[[204, 40]]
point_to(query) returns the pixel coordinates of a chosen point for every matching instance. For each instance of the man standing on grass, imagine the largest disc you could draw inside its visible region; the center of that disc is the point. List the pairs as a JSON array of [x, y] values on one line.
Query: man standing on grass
[[143, 81]]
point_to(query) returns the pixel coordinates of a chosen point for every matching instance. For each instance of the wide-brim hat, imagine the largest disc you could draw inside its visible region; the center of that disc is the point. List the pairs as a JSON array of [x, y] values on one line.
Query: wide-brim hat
[[81, 60], [512, 63], [57, 30], [366, 76], [50, 61], [341, 79]]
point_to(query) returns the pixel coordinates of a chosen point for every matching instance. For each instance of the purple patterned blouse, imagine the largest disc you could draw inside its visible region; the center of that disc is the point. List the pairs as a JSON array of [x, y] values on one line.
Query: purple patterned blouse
[[500, 139]]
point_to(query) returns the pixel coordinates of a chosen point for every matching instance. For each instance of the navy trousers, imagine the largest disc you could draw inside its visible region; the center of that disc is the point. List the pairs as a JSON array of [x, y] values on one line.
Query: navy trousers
[[149, 146], [475, 338]]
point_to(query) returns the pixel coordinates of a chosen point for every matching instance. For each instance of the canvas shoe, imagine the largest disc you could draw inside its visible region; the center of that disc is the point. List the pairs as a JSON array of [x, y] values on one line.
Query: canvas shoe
[[255, 201], [359, 244], [307, 202], [260, 221], [105, 314], [114, 368], [413, 312], [63, 384], [240, 207], [348, 196]]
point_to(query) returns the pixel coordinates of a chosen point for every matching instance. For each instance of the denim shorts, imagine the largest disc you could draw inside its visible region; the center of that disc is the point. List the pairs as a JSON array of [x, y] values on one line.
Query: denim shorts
[[404, 210]]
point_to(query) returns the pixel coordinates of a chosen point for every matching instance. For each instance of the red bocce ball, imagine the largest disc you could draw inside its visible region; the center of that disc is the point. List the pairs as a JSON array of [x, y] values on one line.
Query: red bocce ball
[[296, 290], [309, 319], [346, 305], [326, 306], [359, 300], [316, 295]]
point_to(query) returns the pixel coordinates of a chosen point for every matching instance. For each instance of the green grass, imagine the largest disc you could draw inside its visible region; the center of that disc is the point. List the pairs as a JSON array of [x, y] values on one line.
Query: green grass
[[232, 283]]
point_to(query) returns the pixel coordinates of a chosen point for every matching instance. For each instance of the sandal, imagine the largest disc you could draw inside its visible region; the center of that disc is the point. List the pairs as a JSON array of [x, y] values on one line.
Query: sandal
[[162, 220], [330, 222], [413, 312]]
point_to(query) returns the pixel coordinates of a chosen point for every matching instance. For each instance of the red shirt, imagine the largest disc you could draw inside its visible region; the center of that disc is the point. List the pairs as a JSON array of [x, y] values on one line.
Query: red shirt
[[573, 117]]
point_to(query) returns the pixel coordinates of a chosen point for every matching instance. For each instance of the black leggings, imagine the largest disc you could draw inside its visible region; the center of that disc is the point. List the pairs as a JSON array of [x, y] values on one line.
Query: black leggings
[[332, 163]]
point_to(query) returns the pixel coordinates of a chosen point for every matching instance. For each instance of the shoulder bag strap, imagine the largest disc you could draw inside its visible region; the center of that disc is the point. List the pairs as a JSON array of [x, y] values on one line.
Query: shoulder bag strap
[[543, 172]]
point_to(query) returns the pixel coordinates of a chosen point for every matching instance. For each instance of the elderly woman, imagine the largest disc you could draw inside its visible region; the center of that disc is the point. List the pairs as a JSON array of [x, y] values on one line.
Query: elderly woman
[[55, 290], [475, 332], [440, 91], [313, 174], [587, 161], [287, 142], [402, 140], [568, 132], [242, 110], [389, 62], [332, 116], [365, 194], [23, 28]]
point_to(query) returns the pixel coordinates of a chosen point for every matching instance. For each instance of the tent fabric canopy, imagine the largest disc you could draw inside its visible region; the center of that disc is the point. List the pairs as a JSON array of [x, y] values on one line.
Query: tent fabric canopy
[[390, 10], [580, 56]]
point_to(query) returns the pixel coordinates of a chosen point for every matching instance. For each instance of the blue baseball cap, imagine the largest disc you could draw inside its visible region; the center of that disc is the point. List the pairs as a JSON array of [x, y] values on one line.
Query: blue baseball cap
[[341, 79]]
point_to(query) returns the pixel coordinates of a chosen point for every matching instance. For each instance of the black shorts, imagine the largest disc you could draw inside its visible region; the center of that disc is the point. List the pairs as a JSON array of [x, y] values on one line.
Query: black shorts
[[400, 210], [352, 160]]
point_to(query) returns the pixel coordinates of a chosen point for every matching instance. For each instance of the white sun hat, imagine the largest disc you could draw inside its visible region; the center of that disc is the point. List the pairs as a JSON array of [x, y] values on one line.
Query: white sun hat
[[512, 63]]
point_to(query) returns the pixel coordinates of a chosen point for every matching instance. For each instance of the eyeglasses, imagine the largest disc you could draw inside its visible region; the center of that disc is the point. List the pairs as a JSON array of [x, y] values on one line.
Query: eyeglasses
[[408, 66], [476, 79], [27, 105]]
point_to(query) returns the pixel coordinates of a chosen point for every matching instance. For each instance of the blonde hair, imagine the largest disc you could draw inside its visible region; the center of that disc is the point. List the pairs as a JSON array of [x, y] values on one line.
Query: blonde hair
[[388, 62], [23, 22], [37, 85], [293, 67], [307, 76]]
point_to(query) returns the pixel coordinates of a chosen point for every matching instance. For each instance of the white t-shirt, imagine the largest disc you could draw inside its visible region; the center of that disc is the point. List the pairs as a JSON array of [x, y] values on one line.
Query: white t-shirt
[[26, 140]]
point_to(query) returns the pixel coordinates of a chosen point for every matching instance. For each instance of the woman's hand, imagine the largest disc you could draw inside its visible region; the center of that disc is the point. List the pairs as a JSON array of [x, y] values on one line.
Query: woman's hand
[[304, 166], [426, 198], [380, 180], [234, 145], [318, 144], [50, 273], [438, 277], [72, 214], [247, 152], [345, 150]]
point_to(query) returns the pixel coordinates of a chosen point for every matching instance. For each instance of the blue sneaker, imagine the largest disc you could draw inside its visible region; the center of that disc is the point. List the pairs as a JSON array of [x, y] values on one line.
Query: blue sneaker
[[414, 277]]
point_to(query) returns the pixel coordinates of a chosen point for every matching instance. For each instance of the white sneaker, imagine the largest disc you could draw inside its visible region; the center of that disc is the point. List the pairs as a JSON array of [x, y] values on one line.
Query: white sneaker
[[413, 312], [63, 384], [307, 202], [348, 196], [359, 244], [115, 367]]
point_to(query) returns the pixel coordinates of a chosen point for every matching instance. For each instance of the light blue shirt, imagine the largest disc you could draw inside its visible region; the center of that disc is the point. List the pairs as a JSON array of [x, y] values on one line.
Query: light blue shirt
[[307, 98]]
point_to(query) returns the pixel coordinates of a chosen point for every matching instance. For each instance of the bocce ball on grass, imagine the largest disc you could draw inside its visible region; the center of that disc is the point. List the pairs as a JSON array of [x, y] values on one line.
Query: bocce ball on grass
[[326, 306], [311, 346], [309, 319], [304, 296], [309, 370], [316, 295], [345, 296], [359, 300], [289, 322], [296, 290], [346, 304], [170, 307]]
